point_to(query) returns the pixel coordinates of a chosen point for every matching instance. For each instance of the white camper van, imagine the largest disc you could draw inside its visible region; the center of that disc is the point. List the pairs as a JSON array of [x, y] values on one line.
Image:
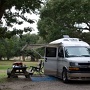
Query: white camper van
[[68, 58]]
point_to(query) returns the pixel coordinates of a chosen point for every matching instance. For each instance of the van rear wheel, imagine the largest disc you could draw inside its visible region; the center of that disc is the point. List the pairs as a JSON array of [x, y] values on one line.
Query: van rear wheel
[[64, 76]]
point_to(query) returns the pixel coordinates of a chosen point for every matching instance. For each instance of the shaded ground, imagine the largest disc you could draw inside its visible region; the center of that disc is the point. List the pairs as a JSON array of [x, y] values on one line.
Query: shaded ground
[[23, 83], [43, 83]]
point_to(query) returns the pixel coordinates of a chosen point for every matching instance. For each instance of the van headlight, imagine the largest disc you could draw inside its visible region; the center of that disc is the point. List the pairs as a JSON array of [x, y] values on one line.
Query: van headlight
[[73, 64]]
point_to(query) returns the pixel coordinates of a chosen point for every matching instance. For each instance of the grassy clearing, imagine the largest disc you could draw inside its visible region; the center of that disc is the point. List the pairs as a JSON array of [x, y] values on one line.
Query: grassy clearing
[[4, 65]]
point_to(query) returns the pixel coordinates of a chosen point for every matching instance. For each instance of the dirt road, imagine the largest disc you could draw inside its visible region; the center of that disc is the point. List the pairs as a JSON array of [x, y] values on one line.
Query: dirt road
[[27, 84]]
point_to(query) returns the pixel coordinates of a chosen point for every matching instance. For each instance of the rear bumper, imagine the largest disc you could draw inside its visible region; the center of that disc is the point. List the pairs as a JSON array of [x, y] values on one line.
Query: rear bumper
[[78, 76]]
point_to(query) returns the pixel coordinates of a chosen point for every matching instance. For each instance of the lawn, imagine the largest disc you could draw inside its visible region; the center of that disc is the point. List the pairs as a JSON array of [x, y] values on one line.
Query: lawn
[[4, 65]]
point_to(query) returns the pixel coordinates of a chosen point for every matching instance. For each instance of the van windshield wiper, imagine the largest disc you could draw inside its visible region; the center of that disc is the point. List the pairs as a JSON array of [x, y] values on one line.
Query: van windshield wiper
[[85, 55], [73, 56]]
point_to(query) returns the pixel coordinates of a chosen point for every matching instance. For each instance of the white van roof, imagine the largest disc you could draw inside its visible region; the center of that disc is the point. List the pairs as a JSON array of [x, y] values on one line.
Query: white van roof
[[70, 42]]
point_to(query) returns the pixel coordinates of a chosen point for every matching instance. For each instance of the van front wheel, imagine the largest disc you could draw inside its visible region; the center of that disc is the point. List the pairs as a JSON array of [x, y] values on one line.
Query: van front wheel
[[64, 76]]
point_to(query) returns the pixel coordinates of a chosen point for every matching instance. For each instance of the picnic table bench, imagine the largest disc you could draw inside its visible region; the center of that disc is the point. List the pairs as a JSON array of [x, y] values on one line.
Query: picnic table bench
[[18, 69]]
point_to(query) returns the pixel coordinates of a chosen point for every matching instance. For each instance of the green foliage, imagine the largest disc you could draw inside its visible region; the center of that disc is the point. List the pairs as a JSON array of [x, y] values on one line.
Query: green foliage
[[12, 47], [60, 17], [30, 38], [9, 47], [85, 37], [13, 17]]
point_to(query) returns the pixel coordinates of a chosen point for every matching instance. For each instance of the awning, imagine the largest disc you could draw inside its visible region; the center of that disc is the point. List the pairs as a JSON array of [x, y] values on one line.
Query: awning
[[36, 46]]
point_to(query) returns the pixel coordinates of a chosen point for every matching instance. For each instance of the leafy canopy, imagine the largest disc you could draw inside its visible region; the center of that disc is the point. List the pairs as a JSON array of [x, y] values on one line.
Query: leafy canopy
[[12, 17], [60, 17]]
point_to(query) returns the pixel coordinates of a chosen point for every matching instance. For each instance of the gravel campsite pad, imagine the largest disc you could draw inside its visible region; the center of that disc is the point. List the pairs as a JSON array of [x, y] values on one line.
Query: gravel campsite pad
[[41, 83], [35, 83]]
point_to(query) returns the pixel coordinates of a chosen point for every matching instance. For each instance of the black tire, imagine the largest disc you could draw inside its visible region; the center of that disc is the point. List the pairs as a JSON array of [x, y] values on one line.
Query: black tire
[[64, 76]]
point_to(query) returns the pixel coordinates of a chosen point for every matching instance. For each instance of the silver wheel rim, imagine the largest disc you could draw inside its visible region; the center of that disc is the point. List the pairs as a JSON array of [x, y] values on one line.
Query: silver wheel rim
[[64, 76]]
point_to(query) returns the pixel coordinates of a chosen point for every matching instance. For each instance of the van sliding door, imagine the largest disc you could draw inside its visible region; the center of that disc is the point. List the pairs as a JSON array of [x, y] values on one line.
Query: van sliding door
[[50, 67]]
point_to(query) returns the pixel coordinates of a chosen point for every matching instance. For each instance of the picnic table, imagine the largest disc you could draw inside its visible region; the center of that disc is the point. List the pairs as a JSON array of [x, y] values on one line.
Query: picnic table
[[18, 69]]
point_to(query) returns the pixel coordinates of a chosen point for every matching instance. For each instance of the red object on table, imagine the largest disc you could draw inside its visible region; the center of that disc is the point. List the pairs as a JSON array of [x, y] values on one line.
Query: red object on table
[[17, 64]]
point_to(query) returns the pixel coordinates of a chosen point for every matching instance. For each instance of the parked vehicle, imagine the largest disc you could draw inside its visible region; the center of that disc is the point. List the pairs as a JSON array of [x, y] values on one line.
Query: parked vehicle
[[68, 59]]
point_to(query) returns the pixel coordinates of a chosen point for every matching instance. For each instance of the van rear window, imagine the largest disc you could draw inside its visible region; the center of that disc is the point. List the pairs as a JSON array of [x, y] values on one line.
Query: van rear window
[[50, 52]]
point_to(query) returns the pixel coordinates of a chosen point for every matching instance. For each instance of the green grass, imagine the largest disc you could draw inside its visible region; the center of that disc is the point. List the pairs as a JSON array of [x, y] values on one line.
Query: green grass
[[4, 65]]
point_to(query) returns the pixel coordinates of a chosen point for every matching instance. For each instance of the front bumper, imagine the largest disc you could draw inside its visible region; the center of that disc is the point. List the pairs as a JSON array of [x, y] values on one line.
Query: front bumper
[[78, 76]]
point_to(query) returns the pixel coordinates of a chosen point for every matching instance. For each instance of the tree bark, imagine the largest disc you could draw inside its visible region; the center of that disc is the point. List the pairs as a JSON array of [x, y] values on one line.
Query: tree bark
[[2, 8], [0, 57], [32, 58], [23, 57]]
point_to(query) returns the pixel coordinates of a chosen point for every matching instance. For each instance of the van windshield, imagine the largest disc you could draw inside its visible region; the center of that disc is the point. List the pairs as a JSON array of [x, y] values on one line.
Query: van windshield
[[77, 51]]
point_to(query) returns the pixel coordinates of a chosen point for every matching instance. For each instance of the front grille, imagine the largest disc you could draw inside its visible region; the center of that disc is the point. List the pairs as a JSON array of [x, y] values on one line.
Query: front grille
[[84, 69], [85, 64]]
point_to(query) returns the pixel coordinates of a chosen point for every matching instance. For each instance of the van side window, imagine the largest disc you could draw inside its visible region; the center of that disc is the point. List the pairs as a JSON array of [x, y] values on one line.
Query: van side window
[[60, 52], [50, 52]]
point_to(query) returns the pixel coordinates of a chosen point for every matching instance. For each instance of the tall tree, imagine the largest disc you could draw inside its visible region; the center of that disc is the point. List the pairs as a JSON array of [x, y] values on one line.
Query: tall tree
[[60, 17], [12, 17], [9, 47]]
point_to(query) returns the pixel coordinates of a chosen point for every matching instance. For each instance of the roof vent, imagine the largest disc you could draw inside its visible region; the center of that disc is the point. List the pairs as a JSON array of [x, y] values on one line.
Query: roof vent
[[66, 36], [65, 40]]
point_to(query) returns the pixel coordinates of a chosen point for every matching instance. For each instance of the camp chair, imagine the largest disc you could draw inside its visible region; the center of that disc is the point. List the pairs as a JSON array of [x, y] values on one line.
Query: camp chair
[[38, 69]]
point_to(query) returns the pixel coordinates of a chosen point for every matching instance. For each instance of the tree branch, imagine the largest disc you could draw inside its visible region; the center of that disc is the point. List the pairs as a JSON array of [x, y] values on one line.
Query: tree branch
[[2, 8]]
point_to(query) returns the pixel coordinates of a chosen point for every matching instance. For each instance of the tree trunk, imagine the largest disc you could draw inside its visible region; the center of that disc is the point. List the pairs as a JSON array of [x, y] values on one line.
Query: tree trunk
[[32, 58], [2, 8], [23, 57], [8, 58], [0, 57], [37, 59]]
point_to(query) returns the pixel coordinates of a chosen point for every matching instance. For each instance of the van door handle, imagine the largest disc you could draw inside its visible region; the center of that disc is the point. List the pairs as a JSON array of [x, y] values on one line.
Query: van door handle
[[45, 59]]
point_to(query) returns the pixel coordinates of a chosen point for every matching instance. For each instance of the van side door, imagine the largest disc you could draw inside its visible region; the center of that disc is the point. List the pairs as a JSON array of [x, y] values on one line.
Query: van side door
[[50, 65]]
